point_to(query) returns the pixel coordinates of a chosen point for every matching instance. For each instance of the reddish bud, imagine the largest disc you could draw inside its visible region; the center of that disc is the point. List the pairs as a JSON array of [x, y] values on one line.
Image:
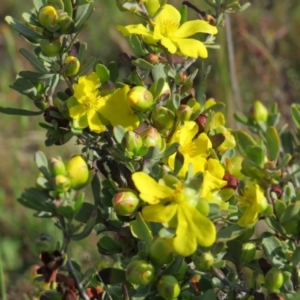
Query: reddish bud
[[201, 121], [232, 182]]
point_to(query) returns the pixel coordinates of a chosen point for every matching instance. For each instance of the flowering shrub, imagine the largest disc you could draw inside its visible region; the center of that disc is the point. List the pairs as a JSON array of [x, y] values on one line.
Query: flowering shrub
[[180, 194]]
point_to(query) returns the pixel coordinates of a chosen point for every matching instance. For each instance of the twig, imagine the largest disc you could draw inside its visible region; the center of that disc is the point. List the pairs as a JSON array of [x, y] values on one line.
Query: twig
[[69, 262]]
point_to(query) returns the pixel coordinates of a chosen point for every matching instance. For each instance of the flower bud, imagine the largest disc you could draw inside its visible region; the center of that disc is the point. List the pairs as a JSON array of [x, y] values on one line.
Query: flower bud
[[201, 121], [248, 252], [140, 99], [125, 203], [72, 66], [161, 251], [152, 6], [61, 183], [107, 88], [78, 172], [204, 261], [50, 47], [273, 280], [132, 142], [57, 167], [66, 24], [140, 272], [168, 287], [232, 182], [151, 137], [153, 58], [184, 112], [162, 118], [47, 16], [258, 112]]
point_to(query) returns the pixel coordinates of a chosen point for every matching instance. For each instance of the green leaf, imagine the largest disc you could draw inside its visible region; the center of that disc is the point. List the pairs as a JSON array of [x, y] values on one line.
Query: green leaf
[[295, 112], [271, 245], [68, 7], [241, 118], [38, 4], [158, 72], [119, 132], [108, 246], [87, 228], [284, 161], [35, 76], [136, 45], [273, 143], [290, 213], [142, 64], [230, 232], [112, 276], [78, 203], [256, 154], [19, 111], [82, 14], [66, 211], [183, 13], [113, 70], [87, 65], [169, 151], [24, 87], [102, 72], [140, 229], [96, 190], [22, 28], [275, 225], [58, 4], [35, 62], [208, 295], [295, 259], [287, 141], [85, 212], [42, 163], [157, 87], [243, 140], [82, 52]]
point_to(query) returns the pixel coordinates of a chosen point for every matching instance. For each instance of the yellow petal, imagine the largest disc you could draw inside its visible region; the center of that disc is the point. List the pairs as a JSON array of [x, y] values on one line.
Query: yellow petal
[[80, 123], [191, 47], [135, 29], [167, 43], [94, 121], [249, 217], [191, 27], [193, 229], [150, 190], [203, 144], [76, 111], [117, 111], [159, 213], [168, 19], [215, 168]]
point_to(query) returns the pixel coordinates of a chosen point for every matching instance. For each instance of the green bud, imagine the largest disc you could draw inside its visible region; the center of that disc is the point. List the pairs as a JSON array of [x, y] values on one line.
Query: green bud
[[204, 261], [61, 183], [161, 251], [72, 66], [168, 287], [132, 142], [273, 280], [50, 47], [140, 99], [66, 24], [57, 167], [151, 137], [248, 252], [125, 203], [47, 16], [152, 6], [140, 272], [184, 112], [78, 172], [258, 112], [162, 118]]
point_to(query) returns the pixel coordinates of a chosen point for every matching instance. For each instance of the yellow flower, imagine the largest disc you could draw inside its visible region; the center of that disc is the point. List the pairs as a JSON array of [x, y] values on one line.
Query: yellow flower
[[194, 151], [166, 204], [252, 202], [88, 108], [173, 36]]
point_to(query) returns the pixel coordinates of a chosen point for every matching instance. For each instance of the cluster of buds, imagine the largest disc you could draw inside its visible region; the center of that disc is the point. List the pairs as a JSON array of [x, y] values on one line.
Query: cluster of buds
[[73, 174]]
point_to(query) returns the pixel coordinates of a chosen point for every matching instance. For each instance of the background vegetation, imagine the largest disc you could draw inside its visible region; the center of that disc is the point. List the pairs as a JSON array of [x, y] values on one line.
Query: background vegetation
[[267, 67]]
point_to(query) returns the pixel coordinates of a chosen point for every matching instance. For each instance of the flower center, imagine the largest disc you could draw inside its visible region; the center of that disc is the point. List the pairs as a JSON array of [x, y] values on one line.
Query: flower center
[[91, 102], [188, 148], [168, 28]]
